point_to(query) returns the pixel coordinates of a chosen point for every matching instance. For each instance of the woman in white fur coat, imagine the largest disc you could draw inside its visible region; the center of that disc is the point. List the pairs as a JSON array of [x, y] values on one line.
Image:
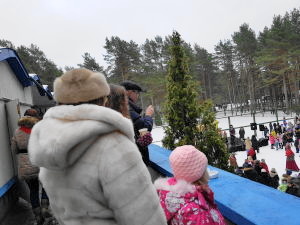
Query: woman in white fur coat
[[89, 163]]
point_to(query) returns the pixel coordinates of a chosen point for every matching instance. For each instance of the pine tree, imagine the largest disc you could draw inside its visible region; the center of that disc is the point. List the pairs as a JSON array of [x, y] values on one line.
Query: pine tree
[[90, 63], [181, 106], [210, 141], [189, 122]]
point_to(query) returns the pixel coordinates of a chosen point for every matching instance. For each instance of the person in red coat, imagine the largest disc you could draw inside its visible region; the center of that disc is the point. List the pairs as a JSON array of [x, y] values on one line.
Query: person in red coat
[[290, 160], [252, 153], [264, 165]]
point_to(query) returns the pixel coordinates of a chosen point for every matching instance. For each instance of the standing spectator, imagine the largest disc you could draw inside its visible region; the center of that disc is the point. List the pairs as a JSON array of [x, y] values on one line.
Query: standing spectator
[[275, 127], [280, 140], [289, 136], [242, 133], [28, 173], [139, 122], [118, 100], [274, 178], [277, 141], [248, 144], [284, 138], [272, 139], [290, 160], [296, 120], [279, 129], [266, 132], [91, 169], [224, 136], [232, 135], [186, 198], [297, 137], [284, 122], [270, 127], [255, 143]]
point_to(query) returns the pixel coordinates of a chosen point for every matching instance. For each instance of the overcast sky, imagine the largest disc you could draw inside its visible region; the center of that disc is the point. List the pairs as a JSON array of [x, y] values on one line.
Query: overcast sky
[[65, 29]]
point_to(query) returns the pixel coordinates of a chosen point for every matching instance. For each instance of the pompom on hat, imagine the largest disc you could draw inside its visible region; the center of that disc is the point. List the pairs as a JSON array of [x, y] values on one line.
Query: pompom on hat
[[188, 163], [80, 85]]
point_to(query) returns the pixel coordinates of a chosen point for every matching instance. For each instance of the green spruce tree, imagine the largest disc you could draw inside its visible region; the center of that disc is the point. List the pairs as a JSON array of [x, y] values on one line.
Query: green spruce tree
[[188, 121], [181, 105], [210, 141]]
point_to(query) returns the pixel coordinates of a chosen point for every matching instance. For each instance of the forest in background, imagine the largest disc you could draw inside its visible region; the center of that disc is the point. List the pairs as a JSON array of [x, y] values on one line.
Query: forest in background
[[262, 69]]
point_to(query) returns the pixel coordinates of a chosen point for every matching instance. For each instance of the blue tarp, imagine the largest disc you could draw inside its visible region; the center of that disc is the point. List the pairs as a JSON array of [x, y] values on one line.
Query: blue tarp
[[240, 200]]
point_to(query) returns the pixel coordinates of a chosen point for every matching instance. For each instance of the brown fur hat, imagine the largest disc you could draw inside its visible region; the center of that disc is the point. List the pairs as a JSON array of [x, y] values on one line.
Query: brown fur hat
[[27, 121], [31, 112], [80, 85]]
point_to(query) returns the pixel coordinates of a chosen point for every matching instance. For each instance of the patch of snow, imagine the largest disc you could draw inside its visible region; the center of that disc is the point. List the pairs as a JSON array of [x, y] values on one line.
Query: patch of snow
[[274, 158]]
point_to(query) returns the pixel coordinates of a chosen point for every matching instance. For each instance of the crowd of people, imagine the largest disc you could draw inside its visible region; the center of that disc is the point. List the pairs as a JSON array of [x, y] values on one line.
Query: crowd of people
[[280, 136], [90, 155]]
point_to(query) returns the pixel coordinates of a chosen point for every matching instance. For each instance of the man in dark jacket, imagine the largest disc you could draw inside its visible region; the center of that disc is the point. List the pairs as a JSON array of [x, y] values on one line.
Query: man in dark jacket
[[139, 122]]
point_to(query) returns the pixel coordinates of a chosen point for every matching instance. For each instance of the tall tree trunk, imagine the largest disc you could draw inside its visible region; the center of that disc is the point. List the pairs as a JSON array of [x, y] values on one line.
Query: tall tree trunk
[[229, 93], [296, 84], [233, 88], [286, 101], [209, 87]]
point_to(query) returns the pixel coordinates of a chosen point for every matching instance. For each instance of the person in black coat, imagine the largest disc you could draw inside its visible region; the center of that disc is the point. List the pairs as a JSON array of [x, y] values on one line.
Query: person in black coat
[[266, 131], [264, 178], [297, 137], [242, 133], [257, 167], [250, 173], [270, 127], [274, 178], [294, 186], [255, 143], [139, 122]]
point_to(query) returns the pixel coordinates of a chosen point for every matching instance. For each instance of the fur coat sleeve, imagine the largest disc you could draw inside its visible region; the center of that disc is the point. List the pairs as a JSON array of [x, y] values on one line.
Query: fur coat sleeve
[[127, 185]]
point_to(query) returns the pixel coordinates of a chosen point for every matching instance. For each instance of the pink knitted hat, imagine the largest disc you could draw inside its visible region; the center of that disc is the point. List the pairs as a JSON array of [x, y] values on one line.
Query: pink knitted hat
[[188, 163]]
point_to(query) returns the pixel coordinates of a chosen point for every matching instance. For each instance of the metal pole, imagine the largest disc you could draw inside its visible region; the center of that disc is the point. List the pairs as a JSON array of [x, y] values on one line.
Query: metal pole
[[254, 122]]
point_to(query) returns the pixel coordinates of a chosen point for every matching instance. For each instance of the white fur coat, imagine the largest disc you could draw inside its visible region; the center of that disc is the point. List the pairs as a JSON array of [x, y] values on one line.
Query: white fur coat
[[91, 168]]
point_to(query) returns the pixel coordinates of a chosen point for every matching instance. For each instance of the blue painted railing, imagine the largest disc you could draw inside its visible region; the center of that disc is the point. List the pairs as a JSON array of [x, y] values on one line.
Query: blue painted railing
[[240, 200], [7, 186]]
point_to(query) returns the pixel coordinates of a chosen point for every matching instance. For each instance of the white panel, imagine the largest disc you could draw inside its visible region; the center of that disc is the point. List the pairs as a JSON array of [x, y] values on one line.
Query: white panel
[[10, 86], [6, 161]]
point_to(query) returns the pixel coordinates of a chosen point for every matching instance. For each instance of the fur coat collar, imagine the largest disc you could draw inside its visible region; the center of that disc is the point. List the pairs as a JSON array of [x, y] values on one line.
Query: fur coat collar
[[67, 131]]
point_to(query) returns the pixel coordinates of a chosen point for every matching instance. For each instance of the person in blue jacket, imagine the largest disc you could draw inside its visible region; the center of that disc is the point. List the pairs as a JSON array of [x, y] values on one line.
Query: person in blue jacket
[[133, 91]]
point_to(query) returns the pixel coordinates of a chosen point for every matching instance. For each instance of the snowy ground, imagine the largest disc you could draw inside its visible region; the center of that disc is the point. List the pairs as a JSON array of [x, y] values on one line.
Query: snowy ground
[[274, 159]]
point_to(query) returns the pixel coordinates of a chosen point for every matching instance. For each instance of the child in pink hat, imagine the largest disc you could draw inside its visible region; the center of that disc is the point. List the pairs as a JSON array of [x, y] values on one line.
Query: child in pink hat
[[186, 198]]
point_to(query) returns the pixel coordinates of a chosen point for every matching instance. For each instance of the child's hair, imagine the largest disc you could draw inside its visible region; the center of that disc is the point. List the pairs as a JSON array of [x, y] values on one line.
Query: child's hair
[[117, 100], [189, 164], [203, 180]]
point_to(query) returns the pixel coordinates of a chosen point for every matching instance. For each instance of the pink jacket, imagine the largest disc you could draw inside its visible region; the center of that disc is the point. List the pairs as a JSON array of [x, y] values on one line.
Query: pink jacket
[[185, 203], [272, 140]]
